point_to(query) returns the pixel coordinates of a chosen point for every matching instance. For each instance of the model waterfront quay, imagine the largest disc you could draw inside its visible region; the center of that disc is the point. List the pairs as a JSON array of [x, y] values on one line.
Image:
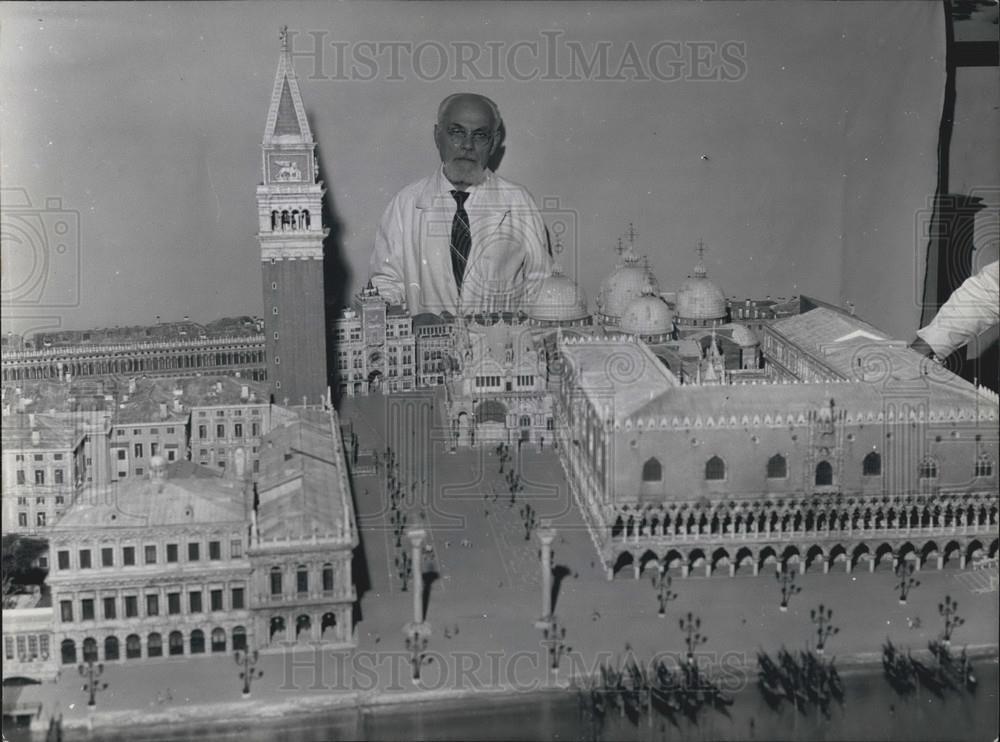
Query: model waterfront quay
[[664, 506]]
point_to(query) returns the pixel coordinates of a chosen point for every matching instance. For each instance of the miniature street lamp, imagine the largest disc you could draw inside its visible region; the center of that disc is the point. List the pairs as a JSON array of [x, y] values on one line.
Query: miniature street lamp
[[662, 583], [416, 644], [92, 672], [692, 627], [949, 612], [529, 516], [904, 571], [786, 579], [247, 660], [552, 638], [822, 616], [404, 568]]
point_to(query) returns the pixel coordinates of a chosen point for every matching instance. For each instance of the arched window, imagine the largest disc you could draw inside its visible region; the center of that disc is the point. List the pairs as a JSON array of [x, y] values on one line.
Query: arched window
[[90, 649], [327, 578], [154, 645], [239, 638], [133, 647], [872, 465], [176, 642], [525, 421], [197, 642], [984, 466], [928, 469], [111, 648], [218, 640], [652, 471], [777, 467], [302, 579], [715, 468], [68, 649], [275, 580], [824, 474]]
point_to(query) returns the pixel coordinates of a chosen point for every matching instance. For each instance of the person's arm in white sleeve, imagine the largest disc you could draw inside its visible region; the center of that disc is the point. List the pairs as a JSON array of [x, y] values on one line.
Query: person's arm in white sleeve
[[972, 308], [537, 261], [385, 268]]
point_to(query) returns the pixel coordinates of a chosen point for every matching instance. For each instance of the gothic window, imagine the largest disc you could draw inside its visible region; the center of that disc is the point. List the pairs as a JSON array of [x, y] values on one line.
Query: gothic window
[[777, 467], [928, 469], [824, 474], [715, 468], [652, 471], [872, 465], [984, 466]]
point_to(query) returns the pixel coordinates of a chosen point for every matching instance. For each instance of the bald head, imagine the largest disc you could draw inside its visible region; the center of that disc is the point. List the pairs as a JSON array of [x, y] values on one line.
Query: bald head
[[466, 134]]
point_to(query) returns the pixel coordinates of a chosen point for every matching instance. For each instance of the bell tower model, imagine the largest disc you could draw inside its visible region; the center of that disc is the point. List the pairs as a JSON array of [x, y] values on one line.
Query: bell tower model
[[291, 235]]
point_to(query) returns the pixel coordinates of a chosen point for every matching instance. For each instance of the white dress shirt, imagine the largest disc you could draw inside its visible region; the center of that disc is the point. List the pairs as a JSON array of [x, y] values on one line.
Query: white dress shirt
[[507, 262]]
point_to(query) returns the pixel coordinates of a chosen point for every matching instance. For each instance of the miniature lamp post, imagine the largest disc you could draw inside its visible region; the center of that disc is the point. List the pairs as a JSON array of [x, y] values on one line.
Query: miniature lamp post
[[247, 660], [949, 612], [786, 579], [92, 673], [822, 616], [417, 631], [692, 627], [661, 583], [904, 570]]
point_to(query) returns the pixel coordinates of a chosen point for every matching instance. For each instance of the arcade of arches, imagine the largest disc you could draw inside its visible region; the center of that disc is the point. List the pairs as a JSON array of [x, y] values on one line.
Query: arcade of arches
[[934, 529], [112, 648], [192, 358]]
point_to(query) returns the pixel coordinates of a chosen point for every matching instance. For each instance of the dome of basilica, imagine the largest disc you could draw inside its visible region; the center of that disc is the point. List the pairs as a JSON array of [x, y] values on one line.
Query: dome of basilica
[[626, 284], [559, 300], [698, 299], [647, 316]]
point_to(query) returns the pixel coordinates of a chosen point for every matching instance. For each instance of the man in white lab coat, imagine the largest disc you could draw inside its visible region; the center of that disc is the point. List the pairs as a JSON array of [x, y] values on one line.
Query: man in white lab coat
[[462, 240]]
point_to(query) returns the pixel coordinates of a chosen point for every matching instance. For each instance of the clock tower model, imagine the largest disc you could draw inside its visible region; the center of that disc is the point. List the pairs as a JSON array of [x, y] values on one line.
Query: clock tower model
[[291, 234]]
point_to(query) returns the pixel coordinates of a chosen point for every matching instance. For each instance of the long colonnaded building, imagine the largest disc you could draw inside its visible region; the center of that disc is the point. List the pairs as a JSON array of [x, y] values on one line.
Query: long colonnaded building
[[188, 562], [853, 449]]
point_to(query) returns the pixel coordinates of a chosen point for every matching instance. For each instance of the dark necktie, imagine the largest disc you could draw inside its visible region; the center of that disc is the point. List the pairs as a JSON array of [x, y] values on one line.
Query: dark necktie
[[461, 238]]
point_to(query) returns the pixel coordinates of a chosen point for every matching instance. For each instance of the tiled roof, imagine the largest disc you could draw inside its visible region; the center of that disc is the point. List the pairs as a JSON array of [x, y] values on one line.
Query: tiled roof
[[625, 375], [189, 494], [302, 481], [54, 431]]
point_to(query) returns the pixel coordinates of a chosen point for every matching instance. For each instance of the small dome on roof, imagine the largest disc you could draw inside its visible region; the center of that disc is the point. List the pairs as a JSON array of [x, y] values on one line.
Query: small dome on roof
[[700, 299], [559, 299], [626, 284], [648, 315]]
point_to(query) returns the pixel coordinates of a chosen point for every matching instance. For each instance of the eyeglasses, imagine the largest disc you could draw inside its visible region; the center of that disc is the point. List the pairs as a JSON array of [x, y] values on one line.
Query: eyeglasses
[[457, 136]]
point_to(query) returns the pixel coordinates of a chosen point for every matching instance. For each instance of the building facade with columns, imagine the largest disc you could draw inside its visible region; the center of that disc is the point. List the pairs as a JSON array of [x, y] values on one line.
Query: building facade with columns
[[498, 392], [375, 347], [152, 567], [852, 450], [229, 346], [303, 535], [187, 562]]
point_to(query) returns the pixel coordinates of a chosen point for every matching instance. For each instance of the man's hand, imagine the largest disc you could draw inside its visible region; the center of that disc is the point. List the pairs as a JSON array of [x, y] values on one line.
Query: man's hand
[[921, 347]]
